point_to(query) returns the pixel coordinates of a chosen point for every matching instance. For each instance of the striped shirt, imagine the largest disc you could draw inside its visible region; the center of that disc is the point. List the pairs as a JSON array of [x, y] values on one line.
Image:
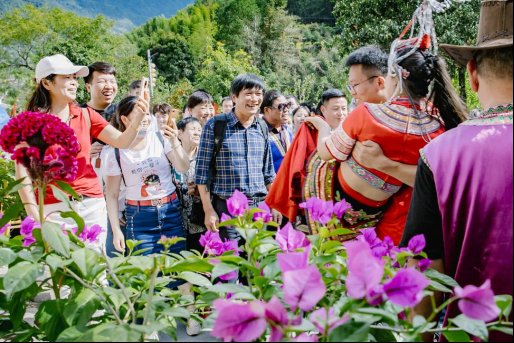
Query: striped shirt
[[243, 163]]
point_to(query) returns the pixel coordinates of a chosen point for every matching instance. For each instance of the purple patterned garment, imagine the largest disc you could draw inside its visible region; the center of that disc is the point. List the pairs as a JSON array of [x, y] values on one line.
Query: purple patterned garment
[[472, 168]]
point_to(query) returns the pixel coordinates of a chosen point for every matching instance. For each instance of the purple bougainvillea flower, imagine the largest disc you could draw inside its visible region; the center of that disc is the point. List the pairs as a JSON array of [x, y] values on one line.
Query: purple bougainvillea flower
[[28, 225], [424, 264], [90, 234], [264, 215], [224, 217], [320, 211], [237, 204], [213, 245], [276, 313], [290, 239], [293, 260], [340, 208], [326, 319], [364, 271], [369, 236], [4, 228], [417, 244], [239, 322], [375, 296], [305, 337], [303, 288], [406, 287], [478, 302], [28, 240]]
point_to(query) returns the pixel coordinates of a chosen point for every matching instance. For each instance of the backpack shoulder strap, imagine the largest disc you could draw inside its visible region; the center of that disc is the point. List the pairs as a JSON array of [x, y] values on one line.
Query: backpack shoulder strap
[[118, 159], [85, 113], [264, 128], [220, 126]]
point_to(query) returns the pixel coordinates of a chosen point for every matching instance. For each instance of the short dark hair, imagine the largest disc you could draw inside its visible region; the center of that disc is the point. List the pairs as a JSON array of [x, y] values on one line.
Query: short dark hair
[[162, 108], [327, 95], [225, 99], [268, 99], [371, 57], [100, 67], [246, 81], [198, 97], [495, 63], [182, 124], [135, 84]]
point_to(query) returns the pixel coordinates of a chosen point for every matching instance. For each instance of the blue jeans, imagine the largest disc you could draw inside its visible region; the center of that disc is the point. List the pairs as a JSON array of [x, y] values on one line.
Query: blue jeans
[[149, 223]]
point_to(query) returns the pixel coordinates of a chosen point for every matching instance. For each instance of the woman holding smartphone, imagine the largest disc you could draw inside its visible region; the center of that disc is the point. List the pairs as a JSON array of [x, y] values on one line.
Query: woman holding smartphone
[[55, 93], [152, 207]]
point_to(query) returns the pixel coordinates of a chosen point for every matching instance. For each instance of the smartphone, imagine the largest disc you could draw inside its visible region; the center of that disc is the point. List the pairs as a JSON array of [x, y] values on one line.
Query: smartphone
[[144, 88], [171, 122]]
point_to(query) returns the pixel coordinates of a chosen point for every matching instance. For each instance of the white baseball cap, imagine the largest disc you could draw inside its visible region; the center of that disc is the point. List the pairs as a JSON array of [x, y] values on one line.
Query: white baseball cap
[[59, 65]]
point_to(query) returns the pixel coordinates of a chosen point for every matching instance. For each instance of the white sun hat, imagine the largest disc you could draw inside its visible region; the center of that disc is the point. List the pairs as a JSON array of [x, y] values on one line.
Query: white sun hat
[[59, 65]]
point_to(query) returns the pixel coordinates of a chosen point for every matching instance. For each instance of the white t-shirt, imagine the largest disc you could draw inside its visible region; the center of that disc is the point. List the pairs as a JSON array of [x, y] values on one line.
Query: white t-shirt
[[147, 172]]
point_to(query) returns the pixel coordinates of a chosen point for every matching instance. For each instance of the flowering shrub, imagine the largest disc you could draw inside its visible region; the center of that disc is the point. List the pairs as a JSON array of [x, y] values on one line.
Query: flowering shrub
[[300, 288]]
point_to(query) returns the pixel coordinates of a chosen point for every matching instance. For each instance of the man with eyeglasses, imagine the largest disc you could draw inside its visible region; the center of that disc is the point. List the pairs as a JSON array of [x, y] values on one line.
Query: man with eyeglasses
[[275, 110]]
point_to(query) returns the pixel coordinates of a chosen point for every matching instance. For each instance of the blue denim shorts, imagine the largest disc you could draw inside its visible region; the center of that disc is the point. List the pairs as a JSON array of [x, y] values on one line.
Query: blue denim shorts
[[149, 223]]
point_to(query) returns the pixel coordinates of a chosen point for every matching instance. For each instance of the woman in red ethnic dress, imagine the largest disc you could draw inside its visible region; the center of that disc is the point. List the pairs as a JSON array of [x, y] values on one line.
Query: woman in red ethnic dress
[[401, 126]]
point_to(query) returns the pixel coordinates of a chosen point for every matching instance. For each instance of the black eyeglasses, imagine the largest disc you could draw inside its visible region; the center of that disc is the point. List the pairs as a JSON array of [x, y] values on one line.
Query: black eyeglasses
[[282, 107], [351, 88]]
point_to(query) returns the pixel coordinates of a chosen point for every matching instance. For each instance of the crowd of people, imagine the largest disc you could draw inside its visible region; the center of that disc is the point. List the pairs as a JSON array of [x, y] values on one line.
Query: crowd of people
[[404, 153]]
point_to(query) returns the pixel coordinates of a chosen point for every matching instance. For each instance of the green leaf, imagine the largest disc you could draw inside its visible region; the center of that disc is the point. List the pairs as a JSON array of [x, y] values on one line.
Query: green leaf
[[471, 326], [330, 246], [81, 309], [229, 288], [504, 302], [436, 286], [382, 335], [33, 255], [88, 262], [456, 336], [68, 189], [50, 318], [77, 218], [177, 312], [108, 332], [222, 269], [12, 187], [390, 317], [71, 334], [60, 195], [505, 329], [53, 235], [12, 212], [143, 263], [21, 276], [196, 265], [195, 279], [6, 256], [441, 278], [350, 332]]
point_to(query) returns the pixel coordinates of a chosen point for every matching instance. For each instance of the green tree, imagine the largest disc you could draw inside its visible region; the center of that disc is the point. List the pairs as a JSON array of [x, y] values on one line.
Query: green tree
[[220, 68], [173, 58]]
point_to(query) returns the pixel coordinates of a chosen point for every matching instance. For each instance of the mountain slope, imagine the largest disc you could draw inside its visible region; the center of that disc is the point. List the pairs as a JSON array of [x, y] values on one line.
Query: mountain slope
[[136, 11]]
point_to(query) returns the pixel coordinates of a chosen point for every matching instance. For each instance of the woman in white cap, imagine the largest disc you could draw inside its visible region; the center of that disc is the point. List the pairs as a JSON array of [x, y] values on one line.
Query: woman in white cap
[[56, 91]]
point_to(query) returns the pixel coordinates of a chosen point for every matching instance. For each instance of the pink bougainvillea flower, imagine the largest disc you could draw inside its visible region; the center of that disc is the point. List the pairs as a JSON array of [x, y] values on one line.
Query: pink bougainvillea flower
[[364, 271], [375, 296], [303, 288], [264, 215], [91, 234], [424, 264], [28, 241], [225, 217], [320, 211], [290, 239], [340, 208], [239, 322], [293, 260], [305, 337], [4, 228], [326, 319], [417, 244], [213, 245], [478, 302], [237, 204], [233, 275], [28, 225], [406, 287], [276, 313]]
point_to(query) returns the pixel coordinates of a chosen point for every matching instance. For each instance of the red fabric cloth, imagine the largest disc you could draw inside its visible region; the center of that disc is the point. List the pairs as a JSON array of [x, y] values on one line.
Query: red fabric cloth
[[86, 182], [393, 221], [286, 191]]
